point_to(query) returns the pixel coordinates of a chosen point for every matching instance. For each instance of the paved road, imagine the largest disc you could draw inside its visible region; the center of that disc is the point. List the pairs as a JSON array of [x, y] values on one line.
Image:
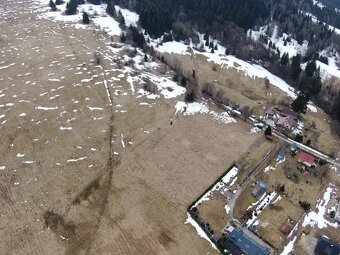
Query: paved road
[[314, 152], [260, 166]]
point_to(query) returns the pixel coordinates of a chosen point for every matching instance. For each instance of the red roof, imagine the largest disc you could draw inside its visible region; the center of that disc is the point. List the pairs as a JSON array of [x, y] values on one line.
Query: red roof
[[287, 230], [306, 158], [269, 137]]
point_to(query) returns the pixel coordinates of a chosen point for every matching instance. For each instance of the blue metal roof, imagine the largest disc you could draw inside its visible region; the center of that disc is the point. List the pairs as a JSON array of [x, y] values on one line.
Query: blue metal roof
[[327, 247], [263, 185], [247, 244], [281, 156]]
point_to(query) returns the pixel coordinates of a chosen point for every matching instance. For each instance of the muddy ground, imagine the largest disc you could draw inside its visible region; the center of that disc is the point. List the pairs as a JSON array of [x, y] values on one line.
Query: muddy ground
[[84, 171]]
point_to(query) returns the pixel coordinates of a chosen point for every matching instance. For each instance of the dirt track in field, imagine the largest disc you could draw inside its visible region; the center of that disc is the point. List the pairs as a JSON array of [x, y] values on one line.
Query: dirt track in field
[[80, 175]]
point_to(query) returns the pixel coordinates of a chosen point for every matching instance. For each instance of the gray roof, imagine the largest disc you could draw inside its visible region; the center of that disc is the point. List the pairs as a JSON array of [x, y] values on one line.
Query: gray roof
[[289, 112]]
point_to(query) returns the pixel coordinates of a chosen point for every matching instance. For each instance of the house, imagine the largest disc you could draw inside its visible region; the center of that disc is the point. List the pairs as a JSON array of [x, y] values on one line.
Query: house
[[289, 112], [293, 148], [260, 190], [281, 156], [286, 122], [326, 246], [270, 113], [307, 159], [230, 247], [270, 122], [246, 243]]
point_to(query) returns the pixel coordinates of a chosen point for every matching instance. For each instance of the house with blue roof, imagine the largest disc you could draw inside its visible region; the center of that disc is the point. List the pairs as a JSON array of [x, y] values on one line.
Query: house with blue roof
[[260, 190], [326, 246], [281, 156], [245, 243]]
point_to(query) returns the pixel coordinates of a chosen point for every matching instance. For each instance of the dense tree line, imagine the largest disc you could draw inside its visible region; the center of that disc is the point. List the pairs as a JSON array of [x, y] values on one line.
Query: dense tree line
[[228, 22]]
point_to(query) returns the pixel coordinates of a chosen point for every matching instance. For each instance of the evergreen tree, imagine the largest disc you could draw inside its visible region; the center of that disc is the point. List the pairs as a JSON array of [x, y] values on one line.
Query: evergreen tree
[[145, 58], [71, 7], [111, 9], [122, 37], [86, 19], [226, 51], [183, 81], [284, 59], [295, 67], [215, 47], [268, 131], [212, 50], [211, 45], [58, 2], [120, 18], [207, 42], [206, 36], [300, 103], [310, 68], [81, 1], [52, 5], [96, 2]]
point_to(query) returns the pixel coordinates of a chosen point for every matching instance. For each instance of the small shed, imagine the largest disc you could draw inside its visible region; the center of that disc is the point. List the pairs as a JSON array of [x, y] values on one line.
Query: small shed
[[281, 156], [293, 147], [260, 190]]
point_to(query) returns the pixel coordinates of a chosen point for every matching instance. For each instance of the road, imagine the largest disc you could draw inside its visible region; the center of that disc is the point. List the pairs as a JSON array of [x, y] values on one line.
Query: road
[[260, 166], [314, 152]]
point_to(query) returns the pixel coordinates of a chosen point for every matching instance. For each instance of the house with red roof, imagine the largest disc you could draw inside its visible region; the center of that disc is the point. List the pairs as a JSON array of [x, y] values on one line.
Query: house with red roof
[[307, 159]]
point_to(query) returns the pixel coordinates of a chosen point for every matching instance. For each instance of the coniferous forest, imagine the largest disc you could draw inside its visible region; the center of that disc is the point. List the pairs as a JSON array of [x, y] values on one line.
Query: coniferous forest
[[228, 22]]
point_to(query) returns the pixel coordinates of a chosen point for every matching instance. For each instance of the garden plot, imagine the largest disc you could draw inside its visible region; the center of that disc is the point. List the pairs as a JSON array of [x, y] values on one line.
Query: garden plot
[[273, 221]]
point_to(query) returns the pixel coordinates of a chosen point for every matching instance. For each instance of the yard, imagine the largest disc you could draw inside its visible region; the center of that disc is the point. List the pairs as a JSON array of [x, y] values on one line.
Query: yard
[[213, 211], [245, 200], [274, 218], [307, 187]]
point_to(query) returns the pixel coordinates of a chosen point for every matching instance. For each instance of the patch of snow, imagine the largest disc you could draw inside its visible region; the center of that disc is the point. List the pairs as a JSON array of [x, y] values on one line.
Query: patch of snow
[[200, 232], [317, 218], [131, 18], [289, 248], [76, 159], [230, 175]]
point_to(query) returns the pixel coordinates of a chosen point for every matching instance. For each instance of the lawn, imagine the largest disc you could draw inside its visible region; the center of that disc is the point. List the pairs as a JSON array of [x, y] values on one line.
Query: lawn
[[274, 217], [213, 212]]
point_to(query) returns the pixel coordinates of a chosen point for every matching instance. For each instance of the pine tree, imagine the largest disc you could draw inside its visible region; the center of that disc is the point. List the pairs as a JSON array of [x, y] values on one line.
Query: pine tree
[[268, 131], [295, 67], [122, 37], [111, 9], [120, 18], [310, 68], [145, 58], [215, 47], [226, 51], [206, 36], [86, 19], [212, 50], [96, 2], [183, 81], [207, 42], [284, 59], [300, 103], [58, 2], [71, 7], [52, 5]]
